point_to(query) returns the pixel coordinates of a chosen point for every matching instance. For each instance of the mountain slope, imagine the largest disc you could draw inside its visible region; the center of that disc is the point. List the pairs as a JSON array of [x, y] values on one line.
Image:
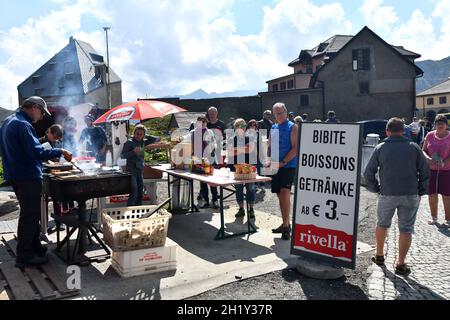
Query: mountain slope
[[434, 72]]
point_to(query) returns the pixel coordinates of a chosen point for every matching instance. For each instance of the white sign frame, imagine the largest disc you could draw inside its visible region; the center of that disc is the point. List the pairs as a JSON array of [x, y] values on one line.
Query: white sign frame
[[318, 205]]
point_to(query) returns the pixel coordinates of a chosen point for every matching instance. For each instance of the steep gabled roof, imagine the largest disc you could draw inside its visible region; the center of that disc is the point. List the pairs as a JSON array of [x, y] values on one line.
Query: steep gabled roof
[[407, 53], [393, 49], [440, 88], [70, 72], [334, 44]]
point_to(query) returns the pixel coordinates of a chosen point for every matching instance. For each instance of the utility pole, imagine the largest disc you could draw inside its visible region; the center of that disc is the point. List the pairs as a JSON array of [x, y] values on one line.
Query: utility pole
[[108, 84]]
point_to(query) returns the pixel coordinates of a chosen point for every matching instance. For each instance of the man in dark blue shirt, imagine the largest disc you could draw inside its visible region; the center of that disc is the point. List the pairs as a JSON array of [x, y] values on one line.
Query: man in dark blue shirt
[[22, 157]]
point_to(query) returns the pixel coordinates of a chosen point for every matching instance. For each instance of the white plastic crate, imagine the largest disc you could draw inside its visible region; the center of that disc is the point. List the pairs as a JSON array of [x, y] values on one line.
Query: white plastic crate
[[145, 261], [125, 229]]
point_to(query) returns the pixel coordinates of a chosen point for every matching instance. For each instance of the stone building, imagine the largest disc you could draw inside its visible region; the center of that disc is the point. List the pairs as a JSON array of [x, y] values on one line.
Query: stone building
[[75, 76]]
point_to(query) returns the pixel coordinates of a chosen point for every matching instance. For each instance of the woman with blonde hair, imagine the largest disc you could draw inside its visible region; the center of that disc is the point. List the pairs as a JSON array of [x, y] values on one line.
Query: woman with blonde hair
[[241, 151]]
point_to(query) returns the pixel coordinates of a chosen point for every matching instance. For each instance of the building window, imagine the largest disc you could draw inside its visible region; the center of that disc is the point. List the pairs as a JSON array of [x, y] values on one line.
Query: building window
[[309, 68], [442, 100], [275, 87], [430, 101], [283, 86], [364, 87], [38, 91], [304, 100], [35, 79], [361, 59], [290, 84]]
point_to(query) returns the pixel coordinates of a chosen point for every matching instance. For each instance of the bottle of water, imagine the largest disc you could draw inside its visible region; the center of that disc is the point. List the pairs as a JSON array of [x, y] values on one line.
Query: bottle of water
[[108, 162]]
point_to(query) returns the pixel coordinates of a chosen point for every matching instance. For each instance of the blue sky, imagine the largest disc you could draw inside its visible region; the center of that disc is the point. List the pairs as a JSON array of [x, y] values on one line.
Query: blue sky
[[175, 47]]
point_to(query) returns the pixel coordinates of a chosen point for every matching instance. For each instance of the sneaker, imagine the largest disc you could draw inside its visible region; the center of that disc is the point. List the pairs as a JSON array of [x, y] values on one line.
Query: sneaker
[[215, 205], [402, 270], [251, 213], [432, 221], [41, 251], [240, 213], [286, 233], [204, 205], [446, 224], [280, 229], [34, 261]]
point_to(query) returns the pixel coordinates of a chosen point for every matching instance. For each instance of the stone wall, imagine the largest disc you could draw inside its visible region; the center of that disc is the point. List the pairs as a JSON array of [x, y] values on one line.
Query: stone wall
[[235, 107]]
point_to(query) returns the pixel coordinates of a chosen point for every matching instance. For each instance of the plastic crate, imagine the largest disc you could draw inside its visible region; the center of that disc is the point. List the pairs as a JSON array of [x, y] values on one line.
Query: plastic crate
[[124, 228], [145, 261]]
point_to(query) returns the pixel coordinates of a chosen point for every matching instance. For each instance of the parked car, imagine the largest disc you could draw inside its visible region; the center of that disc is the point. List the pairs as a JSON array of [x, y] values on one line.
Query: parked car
[[374, 126], [447, 115]]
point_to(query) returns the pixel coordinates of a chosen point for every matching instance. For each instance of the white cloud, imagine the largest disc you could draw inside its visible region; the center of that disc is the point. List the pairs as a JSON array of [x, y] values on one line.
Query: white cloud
[[378, 16], [417, 34], [168, 47], [420, 35], [29, 46]]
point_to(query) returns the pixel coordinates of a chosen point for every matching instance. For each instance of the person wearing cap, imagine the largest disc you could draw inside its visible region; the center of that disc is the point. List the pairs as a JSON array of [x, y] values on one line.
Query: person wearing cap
[[291, 116], [22, 157], [95, 139]]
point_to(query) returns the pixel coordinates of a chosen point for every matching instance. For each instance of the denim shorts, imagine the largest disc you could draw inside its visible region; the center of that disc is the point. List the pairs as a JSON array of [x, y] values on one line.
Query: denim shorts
[[406, 206]]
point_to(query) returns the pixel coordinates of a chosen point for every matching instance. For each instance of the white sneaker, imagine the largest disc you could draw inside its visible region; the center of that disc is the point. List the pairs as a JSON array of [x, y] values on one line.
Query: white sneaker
[[432, 221], [446, 224]]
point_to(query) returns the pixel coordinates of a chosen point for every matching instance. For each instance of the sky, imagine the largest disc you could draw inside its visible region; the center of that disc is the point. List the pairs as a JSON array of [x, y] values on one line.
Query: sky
[[161, 47]]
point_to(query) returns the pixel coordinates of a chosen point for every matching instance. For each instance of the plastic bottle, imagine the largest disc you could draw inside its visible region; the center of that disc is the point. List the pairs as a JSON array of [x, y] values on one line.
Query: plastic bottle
[[108, 162]]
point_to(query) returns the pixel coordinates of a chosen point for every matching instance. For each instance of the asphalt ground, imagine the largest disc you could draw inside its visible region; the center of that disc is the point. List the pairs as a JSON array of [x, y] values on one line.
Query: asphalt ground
[[286, 284]]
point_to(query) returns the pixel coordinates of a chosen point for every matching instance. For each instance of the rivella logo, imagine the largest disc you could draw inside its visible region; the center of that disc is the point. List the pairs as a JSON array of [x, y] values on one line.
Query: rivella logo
[[327, 241], [123, 114]]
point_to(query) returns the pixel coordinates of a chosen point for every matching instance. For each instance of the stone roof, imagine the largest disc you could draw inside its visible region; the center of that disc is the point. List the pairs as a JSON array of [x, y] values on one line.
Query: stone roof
[[441, 88], [336, 42], [70, 72]]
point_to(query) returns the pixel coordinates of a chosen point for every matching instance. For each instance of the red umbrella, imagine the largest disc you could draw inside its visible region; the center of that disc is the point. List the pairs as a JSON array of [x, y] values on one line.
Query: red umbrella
[[139, 110]]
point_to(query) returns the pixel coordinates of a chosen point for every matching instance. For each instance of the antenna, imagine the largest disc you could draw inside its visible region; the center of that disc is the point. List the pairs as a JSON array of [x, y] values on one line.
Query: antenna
[[108, 89]]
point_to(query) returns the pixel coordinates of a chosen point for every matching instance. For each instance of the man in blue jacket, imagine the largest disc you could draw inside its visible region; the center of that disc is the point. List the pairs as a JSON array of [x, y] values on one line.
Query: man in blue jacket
[[22, 157]]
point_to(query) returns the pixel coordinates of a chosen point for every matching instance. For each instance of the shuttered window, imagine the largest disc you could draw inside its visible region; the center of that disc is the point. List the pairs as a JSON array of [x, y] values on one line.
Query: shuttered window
[[361, 59]]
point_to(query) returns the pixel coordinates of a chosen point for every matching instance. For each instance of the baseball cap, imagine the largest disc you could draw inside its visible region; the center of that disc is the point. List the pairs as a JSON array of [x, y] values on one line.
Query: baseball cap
[[291, 113], [40, 102]]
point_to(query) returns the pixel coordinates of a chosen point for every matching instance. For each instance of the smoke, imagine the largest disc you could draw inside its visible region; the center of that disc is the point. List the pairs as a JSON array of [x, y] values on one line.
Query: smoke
[[71, 116]]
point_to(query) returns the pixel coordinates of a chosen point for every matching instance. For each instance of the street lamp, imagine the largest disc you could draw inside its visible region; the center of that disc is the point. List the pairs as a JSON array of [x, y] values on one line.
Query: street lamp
[[108, 89]]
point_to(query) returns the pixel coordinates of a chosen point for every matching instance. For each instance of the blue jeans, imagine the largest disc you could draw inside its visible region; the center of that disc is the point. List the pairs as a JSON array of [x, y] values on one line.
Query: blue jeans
[[137, 187], [251, 193]]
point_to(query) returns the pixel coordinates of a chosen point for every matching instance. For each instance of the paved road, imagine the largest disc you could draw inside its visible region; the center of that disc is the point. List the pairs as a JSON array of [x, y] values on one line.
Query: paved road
[[429, 258]]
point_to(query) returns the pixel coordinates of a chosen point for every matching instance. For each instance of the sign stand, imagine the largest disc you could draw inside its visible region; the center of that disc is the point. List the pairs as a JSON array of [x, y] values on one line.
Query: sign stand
[[326, 201], [317, 270]]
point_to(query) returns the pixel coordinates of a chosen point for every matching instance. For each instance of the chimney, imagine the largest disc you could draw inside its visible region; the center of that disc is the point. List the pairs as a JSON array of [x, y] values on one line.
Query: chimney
[[71, 39]]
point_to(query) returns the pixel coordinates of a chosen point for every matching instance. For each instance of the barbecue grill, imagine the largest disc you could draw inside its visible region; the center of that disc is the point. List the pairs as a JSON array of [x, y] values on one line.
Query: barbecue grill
[[80, 188]]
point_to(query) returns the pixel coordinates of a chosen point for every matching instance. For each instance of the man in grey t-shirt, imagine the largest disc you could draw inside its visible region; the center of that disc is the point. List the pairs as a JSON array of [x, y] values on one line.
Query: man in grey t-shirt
[[403, 178]]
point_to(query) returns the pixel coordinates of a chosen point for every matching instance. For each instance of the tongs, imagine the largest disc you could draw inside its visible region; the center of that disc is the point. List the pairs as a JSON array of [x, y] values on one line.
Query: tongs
[[76, 166]]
